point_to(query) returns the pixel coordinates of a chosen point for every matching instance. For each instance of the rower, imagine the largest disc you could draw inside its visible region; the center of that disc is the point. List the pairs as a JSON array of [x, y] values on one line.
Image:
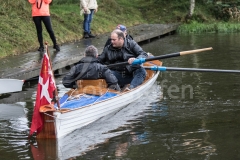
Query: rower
[[90, 68]]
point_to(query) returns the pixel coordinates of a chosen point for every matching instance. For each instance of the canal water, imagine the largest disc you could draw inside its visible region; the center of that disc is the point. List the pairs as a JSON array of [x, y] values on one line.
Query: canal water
[[185, 116]]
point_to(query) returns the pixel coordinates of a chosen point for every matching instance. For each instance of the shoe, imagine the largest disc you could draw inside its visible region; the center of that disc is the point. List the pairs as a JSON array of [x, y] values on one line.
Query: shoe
[[41, 49], [86, 35], [90, 35], [56, 47], [126, 88]]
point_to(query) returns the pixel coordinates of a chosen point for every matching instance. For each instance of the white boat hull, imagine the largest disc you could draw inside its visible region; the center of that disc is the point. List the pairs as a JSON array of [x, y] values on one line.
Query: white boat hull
[[67, 122], [10, 85]]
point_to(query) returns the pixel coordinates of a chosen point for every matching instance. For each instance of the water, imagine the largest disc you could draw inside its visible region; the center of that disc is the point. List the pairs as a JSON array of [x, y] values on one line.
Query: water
[[186, 115]]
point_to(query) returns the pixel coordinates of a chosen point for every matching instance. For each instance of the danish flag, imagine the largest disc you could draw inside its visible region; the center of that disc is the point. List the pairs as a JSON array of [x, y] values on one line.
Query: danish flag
[[46, 87]]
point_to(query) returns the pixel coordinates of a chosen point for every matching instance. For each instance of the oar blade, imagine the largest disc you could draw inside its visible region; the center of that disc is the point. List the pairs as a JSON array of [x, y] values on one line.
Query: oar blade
[[10, 85]]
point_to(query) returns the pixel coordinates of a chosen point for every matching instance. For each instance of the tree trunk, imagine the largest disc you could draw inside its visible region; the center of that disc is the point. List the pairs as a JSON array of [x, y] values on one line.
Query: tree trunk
[[192, 6]]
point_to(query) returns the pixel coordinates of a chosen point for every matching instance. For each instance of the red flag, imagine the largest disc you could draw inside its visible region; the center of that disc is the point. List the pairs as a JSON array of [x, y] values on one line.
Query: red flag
[[45, 89]]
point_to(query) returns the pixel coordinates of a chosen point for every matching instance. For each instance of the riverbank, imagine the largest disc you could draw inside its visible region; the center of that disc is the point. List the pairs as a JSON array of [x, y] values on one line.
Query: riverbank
[[18, 33], [27, 66]]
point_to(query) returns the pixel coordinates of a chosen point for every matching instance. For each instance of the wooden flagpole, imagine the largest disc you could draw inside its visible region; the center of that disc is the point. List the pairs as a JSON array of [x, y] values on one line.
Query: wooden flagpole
[[55, 94]]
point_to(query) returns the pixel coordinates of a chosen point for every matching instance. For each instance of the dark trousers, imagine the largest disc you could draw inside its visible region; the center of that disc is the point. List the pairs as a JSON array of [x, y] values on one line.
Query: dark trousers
[[47, 22], [135, 79]]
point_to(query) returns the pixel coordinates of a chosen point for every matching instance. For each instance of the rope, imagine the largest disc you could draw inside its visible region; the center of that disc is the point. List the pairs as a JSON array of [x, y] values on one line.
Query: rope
[[67, 98], [100, 97], [50, 115]]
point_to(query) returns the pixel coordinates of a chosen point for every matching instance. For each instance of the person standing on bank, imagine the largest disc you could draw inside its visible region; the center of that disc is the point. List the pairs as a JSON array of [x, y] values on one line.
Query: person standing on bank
[[122, 50], [88, 8], [124, 30], [40, 13]]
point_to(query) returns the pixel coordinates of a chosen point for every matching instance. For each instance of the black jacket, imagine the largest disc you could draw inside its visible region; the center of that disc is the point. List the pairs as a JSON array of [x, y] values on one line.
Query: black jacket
[[130, 49], [88, 68], [128, 36]]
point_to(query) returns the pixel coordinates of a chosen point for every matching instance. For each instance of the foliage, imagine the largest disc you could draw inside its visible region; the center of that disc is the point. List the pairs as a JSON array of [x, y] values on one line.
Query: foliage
[[219, 27], [226, 10]]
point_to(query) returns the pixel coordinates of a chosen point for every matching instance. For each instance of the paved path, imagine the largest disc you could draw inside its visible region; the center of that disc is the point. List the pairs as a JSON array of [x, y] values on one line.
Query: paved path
[[26, 66]]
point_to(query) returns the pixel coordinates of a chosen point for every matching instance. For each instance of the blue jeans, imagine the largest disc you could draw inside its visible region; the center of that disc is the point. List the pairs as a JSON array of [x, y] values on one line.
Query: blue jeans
[[135, 79], [87, 21]]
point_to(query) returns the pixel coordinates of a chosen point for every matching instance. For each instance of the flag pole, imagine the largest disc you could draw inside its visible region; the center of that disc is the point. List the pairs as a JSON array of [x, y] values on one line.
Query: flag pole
[[55, 94]]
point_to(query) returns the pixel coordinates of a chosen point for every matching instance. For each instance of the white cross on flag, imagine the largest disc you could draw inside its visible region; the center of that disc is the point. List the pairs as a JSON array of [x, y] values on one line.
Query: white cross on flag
[[46, 87]]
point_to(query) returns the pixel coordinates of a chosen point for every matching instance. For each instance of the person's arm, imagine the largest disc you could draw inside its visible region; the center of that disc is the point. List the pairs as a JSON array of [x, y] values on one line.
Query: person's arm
[[47, 1], [84, 5], [110, 78], [138, 51], [102, 57], [32, 1], [69, 79], [96, 8]]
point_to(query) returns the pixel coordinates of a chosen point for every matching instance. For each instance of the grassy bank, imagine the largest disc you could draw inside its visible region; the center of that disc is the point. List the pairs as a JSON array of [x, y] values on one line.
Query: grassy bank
[[216, 27], [18, 33]]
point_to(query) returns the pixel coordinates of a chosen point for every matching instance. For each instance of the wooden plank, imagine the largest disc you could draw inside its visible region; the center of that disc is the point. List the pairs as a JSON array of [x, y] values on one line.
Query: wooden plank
[[48, 130]]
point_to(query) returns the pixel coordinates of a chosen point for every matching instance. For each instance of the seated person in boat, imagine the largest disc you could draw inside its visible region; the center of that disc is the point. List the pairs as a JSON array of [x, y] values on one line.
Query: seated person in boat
[[121, 50], [90, 68], [124, 30]]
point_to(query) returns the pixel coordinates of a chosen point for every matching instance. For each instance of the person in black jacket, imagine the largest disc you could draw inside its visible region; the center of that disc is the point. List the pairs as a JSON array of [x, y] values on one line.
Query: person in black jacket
[[90, 68], [121, 50], [124, 30]]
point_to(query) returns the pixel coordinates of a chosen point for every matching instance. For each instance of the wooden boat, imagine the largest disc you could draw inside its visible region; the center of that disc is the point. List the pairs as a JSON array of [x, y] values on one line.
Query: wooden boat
[[10, 85], [88, 103], [80, 141]]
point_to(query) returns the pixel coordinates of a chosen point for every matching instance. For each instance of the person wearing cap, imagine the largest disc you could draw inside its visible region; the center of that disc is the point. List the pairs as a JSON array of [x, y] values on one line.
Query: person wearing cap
[[124, 30], [89, 67], [122, 49], [89, 7]]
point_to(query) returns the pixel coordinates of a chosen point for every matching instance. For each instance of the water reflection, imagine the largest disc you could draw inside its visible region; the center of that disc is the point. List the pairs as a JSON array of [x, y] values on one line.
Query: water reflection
[[13, 129]]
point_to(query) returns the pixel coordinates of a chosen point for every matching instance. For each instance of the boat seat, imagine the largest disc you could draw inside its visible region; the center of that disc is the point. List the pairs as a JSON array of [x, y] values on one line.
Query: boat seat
[[94, 87], [98, 82]]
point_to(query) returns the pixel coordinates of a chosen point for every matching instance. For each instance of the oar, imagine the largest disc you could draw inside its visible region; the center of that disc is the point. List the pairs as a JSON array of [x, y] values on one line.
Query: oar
[[162, 68], [142, 60]]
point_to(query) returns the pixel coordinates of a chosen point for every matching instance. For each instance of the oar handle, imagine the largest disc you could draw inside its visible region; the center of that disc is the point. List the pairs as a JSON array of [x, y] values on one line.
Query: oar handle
[[195, 51], [142, 60]]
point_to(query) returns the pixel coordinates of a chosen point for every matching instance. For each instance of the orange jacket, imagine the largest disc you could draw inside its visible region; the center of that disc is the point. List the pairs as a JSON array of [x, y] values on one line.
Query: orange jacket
[[38, 9]]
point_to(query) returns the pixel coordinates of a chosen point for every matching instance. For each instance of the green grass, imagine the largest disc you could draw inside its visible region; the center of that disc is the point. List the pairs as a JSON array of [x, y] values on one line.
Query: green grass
[[18, 33], [218, 27]]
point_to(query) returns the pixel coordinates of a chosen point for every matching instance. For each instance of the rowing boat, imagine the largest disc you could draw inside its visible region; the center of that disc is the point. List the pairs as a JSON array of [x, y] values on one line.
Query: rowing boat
[[82, 140], [90, 101]]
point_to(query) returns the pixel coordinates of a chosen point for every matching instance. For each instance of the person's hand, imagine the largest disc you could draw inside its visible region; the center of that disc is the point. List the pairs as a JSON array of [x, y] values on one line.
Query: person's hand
[[130, 60], [85, 9], [95, 11]]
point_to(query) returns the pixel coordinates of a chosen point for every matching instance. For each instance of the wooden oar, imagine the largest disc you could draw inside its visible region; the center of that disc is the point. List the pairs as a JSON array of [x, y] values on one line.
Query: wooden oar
[[162, 68], [142, 60], [10, 85]]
